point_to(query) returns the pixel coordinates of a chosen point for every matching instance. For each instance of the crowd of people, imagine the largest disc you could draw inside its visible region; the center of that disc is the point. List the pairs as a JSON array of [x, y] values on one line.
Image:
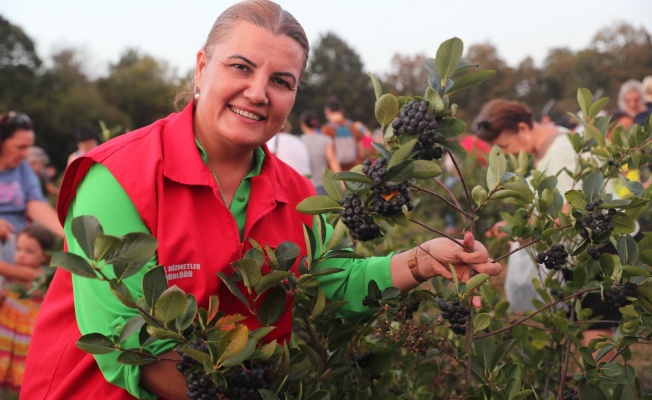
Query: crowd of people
[[208, 174]]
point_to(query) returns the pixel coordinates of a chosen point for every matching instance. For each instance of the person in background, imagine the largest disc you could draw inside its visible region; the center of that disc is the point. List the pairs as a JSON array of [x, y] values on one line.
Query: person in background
[[291, 150], [320, 150], [17, 315], [630, 98], [345, 133], [510, 125], [86, 139], [646, 86], [39, 161], [196, 179], [20, 194]]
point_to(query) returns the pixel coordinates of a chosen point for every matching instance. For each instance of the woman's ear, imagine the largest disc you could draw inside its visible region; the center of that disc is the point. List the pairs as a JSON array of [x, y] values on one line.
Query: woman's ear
[[199, 67], [524, 131]]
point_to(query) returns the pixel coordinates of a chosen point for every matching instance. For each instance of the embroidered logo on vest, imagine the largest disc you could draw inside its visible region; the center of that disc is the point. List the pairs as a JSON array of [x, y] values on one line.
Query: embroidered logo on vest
[[179, 271]]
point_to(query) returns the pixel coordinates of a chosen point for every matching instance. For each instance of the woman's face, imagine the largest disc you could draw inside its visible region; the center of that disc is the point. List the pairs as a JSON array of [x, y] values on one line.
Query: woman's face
[[633, 102], [14, 149], [513, 142], [28, 251], [247, 86]]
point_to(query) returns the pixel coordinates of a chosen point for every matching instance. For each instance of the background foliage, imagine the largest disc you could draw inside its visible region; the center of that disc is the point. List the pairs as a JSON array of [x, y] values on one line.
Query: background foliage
[[63, 92]]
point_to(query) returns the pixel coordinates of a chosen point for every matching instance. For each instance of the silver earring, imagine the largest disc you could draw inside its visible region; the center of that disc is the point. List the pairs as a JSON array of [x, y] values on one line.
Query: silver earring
[[196, 93]]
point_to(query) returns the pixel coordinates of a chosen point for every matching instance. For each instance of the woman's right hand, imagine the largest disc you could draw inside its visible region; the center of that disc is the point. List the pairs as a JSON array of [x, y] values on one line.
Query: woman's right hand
[[6, 229]]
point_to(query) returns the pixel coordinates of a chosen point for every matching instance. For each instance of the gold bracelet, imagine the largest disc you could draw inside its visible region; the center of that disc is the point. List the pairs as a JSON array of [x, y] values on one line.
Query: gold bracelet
[[413, 264]]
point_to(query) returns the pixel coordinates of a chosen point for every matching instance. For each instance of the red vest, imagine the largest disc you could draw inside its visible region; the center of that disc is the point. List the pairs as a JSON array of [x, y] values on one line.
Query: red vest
[[178, 199]]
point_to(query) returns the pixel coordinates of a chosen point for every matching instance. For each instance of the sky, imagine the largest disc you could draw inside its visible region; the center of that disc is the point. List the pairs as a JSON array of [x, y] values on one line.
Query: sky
[[376, 30]]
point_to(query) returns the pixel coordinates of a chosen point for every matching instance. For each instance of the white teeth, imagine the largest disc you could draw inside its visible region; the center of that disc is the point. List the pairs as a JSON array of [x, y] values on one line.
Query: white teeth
[[246, 114]]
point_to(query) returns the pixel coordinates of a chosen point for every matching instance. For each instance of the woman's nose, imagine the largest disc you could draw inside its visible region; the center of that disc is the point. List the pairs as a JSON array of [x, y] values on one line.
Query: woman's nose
[[256, 91]]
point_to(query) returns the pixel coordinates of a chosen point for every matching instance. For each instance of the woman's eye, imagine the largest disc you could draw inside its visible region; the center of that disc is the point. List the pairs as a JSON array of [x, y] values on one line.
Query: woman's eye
[[282, 82], [240, 67]]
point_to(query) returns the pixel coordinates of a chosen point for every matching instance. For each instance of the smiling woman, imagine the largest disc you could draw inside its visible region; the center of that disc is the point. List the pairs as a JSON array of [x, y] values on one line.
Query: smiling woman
[[198, 180]]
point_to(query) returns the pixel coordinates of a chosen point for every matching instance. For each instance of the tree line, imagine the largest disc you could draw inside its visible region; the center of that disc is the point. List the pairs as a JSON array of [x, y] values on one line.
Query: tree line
[[60, 95]]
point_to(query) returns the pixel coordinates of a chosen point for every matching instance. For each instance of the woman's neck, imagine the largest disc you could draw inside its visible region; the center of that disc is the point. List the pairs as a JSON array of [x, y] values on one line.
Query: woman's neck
[[542, 137]]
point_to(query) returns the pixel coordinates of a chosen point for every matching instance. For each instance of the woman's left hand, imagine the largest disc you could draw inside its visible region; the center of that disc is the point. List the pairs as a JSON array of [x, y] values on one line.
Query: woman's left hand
[[435, 256]]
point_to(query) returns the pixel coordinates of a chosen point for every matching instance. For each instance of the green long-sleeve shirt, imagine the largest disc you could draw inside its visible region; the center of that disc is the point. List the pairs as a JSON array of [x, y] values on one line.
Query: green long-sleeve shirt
[[98, 310]]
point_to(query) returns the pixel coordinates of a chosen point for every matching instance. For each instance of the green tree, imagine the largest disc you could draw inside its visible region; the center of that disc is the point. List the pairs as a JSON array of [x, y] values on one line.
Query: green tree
[[141, 87], [334, 69], [19, 65], [67, 100], [407, 75]]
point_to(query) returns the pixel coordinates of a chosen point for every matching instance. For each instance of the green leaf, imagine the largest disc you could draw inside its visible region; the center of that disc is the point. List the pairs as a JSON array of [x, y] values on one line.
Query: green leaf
[[73, 263], [319, 304], [104, 246], [400, 172], [451, 127], [353, 176], [96, 343], [239, 358], [402, 153], [646, 256], [400, 219], [479, 195], [386, 109], [250, 272], [592, 184], [455, 148], [584, 99], [286, 253], [131, 253], [232, 343], [271, 279], [474, 282], [627, 250], [332, 188], [382, 150], [591, 392], [597, 107], [481, 321], [200, 356], [516, 190], [154, 283], [136, 357], [378, 91], [233, 288], [576, 199], [623, 224], [85, 229], [132, 326], [471, 79], [272, 306], [629, 272], [464, 64], [336, 236], [189, 313], [435, 99], [319, 205], [170, 305], [448, 57], [120, 290], [497, 167]]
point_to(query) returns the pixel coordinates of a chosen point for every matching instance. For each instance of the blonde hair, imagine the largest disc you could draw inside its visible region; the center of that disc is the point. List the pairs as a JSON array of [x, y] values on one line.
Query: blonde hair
[[262, 13]]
